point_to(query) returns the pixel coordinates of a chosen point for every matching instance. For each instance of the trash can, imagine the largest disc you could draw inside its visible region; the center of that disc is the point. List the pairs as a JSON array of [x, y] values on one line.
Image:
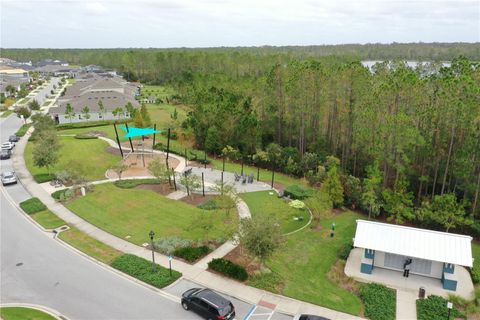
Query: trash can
[[421, 293]]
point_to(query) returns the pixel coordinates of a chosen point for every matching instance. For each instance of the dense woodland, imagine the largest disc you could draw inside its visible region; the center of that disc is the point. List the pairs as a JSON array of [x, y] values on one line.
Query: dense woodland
[[405, 138]]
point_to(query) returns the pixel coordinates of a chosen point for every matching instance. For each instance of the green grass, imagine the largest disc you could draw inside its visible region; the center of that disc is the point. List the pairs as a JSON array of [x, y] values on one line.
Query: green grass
[[89, 245], [32, 205], [23, 129], [261, 203], [47, 219], [71, 81], [21, 313], [160, 114], [134, 212], [305, 259], [158, 91], [46, 103], [6, 113], [91, 151], [23, 101]]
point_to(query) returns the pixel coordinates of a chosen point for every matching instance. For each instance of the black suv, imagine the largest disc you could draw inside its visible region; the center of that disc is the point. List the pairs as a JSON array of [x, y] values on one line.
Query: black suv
[[208, 304], [14, 138], [5, 154]]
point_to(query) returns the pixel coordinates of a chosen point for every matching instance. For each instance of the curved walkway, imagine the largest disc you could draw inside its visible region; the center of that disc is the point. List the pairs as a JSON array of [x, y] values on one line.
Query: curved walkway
[[192, 272]]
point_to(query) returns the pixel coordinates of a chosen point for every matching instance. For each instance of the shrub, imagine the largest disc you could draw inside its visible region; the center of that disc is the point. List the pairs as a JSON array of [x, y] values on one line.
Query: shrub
[[209, 205], [475, 273], [344, 251], [297, 204], [32, 205], [23, 130], [62, 195], [43, 177], [132, 183], [380, 301], [142, 269], [168, 245], [229, 269], [192, 254], [435, 307], [297, 192], [85, 136]]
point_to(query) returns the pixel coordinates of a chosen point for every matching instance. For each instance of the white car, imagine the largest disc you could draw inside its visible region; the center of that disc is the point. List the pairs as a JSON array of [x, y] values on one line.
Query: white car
[[8, 145], [8, 177]]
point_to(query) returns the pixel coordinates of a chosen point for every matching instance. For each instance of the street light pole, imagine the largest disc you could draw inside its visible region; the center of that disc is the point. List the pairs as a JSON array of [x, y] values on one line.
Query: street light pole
[[152, 234]]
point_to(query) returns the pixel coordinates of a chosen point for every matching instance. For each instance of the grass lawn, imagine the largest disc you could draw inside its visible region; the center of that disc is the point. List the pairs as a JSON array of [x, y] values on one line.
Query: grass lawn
[[160, 114], [89, 245], [23, 101], [71, 81], [47, 219], [134, 212], [261, 203], [91, 151], [157, 91], [6, 113], [21, 313], [306, 258]]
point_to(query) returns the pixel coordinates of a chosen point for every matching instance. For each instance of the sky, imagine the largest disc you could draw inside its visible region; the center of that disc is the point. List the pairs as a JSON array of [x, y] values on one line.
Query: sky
[[215, 23]]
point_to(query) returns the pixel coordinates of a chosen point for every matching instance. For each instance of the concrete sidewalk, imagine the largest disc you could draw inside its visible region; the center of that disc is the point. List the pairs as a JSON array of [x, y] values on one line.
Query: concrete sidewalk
[[192, 272]]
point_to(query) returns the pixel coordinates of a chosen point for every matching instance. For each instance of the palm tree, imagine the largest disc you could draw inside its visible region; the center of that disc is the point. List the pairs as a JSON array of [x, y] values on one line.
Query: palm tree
[[86, 112], [69, 112]]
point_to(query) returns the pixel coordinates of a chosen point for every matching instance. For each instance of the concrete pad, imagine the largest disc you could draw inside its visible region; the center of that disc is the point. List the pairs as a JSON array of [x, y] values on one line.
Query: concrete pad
[[406, 305]]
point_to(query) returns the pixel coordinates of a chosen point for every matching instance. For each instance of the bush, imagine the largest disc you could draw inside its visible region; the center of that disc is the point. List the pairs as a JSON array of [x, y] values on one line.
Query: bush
[[192, 254], [380, 301], [77, 125], [43, 177], [475, 273], [209, 205], [435, 307], [132, 183], [229, 269], [168, 245], [32, 205], [85, 136], [344, 251], [142, 269], [62, 195], [297, 192], [23, 130]]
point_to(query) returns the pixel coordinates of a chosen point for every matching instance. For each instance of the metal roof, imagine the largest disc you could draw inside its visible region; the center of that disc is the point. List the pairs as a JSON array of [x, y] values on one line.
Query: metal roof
[[414, 242]]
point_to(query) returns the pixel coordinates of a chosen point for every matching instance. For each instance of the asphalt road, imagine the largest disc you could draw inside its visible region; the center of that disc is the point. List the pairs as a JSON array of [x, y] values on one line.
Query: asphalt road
[[37, 269]]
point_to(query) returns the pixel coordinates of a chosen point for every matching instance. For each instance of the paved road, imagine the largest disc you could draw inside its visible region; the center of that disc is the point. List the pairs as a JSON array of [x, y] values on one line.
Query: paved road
[[39, 270]]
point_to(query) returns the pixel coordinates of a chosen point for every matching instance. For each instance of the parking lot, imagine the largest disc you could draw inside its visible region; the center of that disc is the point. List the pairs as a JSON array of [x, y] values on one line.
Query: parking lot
[[263, 310]]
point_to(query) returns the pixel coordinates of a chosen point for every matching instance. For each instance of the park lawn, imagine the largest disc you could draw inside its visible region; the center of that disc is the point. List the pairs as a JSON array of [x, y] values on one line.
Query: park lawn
[[160, 114], [262, 203], [157, 91], [306, 258], [92, 152], [134, 212], [21, 313], [108, 130], [89, 245], [47, 219]]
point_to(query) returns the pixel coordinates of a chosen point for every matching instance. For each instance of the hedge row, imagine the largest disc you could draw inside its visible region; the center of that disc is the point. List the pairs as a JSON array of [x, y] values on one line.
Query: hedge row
[[142, 269], [192, 254], [32, 205], [435, 307], [229, 269], [43, 177], [379, 301], [298, 192], [89, 124], [132, 183]]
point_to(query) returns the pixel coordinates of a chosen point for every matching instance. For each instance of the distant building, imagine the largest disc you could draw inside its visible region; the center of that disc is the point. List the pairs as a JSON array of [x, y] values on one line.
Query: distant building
[[12, 76]]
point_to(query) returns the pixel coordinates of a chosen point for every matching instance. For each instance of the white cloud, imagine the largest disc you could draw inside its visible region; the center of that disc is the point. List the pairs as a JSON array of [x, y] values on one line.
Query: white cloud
[[97, 8]]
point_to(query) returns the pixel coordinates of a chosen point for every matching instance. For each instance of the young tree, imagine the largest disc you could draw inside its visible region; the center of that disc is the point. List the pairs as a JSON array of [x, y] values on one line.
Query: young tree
[[191, 181], [145, 116], [445, 211], [23, 111], [159, 170], [33, 105], [138, 120], [69, 112], [86, 112], [212, 141], [101, 108], [398, 203], [119, 168], [333, 186], [46, 149], [372, 190], [260, 236], [117, 112]]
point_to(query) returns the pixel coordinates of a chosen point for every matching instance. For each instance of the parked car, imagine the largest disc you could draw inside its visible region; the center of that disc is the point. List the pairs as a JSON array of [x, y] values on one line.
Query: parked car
[[5, 154], [308, 317], [8, 145], [8, 177], [14, 138], [208, 304]]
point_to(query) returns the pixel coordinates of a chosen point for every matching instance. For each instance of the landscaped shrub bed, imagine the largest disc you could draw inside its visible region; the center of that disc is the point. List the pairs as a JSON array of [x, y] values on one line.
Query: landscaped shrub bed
[[132, 183], [142, 269], [344, 251], [32, 205], [435, 307], [62, 194], [209, 205], [192, 254], [297, 192], [379, 301], [167, 245], [43, 177], [23, 129], [229, 269]]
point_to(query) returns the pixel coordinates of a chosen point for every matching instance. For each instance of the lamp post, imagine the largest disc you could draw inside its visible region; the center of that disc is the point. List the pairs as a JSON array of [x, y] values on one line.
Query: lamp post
[[152, 234], [449, 307]]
